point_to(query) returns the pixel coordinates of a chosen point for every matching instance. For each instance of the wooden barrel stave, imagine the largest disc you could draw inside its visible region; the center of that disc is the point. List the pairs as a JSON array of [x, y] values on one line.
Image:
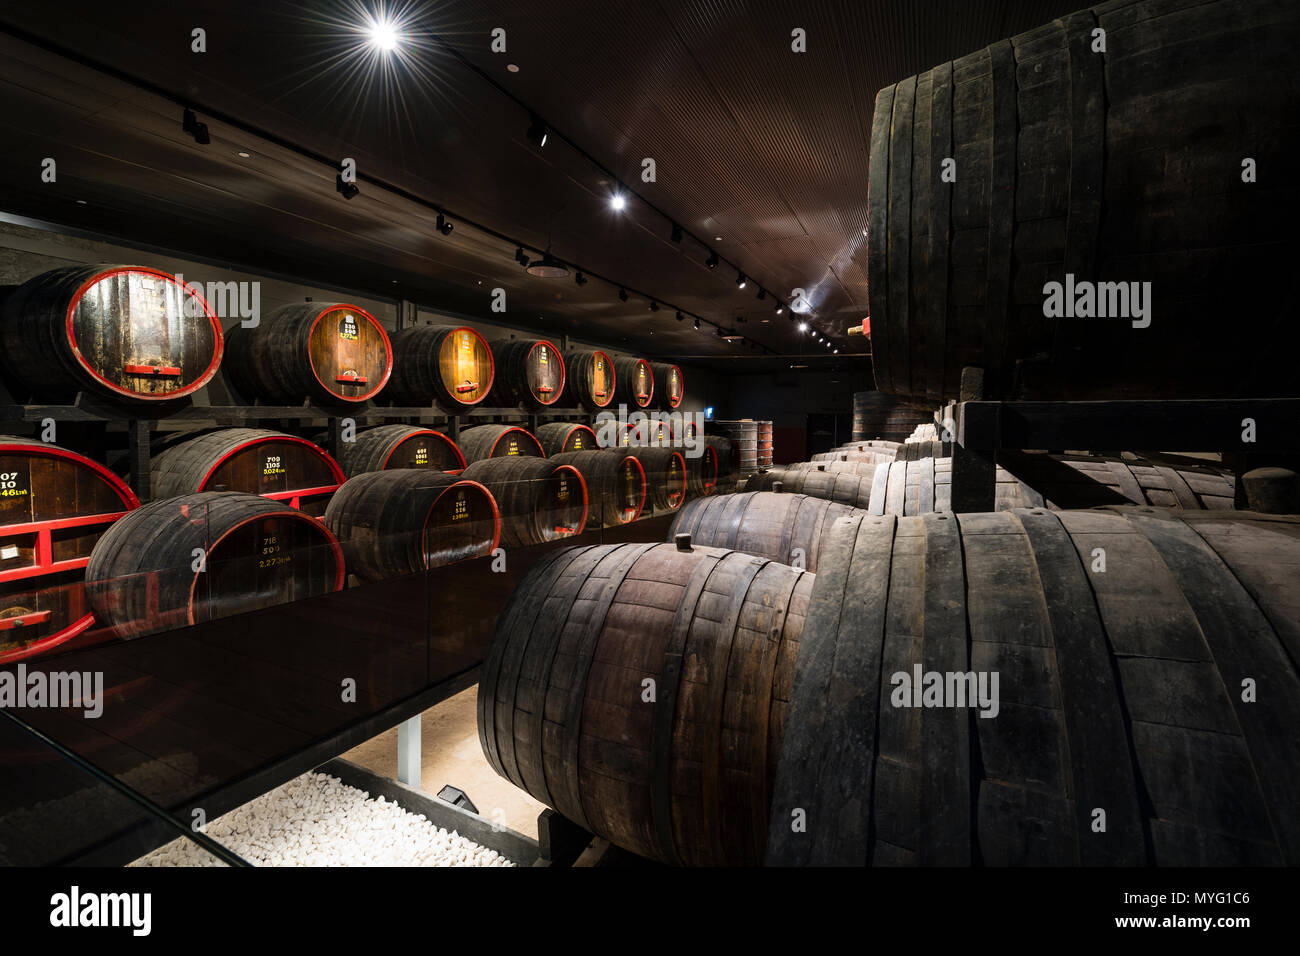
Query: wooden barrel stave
[[616, 485], [561, 711], [399, 446], [1073, 178], [96, 328], [252, 460], [538, 499], [450, 365], [141, 576], [48, 490], [334, 354]]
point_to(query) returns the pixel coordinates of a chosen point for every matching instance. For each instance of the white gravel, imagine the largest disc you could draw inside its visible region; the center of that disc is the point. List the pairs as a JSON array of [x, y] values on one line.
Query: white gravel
[[316, 820]]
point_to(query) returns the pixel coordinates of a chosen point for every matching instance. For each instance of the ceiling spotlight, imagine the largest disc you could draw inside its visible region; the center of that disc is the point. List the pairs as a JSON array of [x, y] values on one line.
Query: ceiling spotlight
[[190, 124], [779, 308], [617, 202], [677, 233], [654, 306], [579, 278], [444, 225], [243, 155], [680, 317], [383, 35], [712, 261], [803, 326], [548, 267], [622, 295], [761, 294], [836, 352], [697, 325], [537, 132], [740, 280]]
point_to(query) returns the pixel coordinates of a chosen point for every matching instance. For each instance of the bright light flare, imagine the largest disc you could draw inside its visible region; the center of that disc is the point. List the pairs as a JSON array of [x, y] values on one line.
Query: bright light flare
[[617, 202], [383, 35]]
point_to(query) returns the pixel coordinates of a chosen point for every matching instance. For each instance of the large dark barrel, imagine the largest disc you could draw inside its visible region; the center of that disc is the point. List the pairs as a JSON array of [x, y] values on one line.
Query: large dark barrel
[[498, 441], [616, 485], [1156, 698], [1078, 167], [128, 332], [635, 383], [539, 500], [879, 415], [204, 556], [844, 487], [562, 708], [743, 436], [1055, 481], [408, 519], [592, 379], [54, 506], [528, 373], [701, 472], [252, 460], [728, 464], [399, 446], [331, 353], [782, 527], [665, 475], [763, 451], [450, 365], [558, 438], [670, 385]]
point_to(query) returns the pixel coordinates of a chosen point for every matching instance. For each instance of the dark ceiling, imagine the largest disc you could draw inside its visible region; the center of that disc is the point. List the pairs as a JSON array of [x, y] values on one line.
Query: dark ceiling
[[753, 143]]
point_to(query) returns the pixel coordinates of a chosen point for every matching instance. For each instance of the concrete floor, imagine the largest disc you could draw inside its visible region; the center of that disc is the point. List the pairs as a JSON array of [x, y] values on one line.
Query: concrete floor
[[452, 755]]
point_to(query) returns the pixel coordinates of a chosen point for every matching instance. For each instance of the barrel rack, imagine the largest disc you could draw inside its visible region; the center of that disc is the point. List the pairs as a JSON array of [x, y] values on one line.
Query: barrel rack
[[94, 419], [982, 431]]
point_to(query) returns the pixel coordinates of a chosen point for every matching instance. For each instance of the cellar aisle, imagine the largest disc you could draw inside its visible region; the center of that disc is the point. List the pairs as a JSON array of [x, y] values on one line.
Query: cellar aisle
[[452, 755]]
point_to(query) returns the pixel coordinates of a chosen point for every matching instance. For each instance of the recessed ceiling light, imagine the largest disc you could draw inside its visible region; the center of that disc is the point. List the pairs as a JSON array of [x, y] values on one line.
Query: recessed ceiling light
[[803, 326], [717, 238], [242, 155], [512, 67], [617, 202], [81, 202]]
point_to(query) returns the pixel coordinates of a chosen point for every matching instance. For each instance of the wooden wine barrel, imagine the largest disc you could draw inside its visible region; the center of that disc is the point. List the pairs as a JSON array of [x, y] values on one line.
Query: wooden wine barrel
[[450, 365], [634, 383], [702, 472], [142, 577], [880, 415], [253, 460], [728, 463], [406, 520], [1119, 167], [670, 385], [399, 446], [781, 527], [1057, 482], [128, 332], [54, 506], [665, 475], [868, 456], [528, 373], [616, 485], [928, 448], [561, 707], [849, 489], [558, 438], [764, 450], [646, 434], [867, 468], [744, 441], [538, 499], [332, 353], [592, 379], [1162, 691], [498, 441]]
